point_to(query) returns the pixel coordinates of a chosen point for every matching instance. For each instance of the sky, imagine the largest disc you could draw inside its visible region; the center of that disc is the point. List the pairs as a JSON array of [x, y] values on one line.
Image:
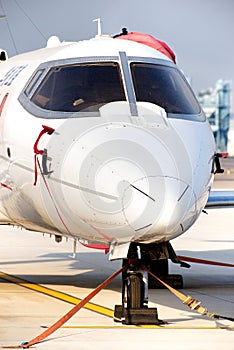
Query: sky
[[199, 31]]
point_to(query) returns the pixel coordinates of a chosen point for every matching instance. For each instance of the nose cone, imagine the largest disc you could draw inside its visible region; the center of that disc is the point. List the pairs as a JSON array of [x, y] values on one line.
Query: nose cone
[[159, 206]]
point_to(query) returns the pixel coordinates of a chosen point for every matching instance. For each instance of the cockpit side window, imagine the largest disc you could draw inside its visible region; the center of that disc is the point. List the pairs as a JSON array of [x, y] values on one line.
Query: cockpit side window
[[164, 86], [33, 82], [80, 87]]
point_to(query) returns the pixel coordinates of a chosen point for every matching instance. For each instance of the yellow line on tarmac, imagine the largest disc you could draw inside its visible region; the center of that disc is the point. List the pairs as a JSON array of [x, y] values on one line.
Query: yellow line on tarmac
[[56, 294], [150, 327], [111, 327]]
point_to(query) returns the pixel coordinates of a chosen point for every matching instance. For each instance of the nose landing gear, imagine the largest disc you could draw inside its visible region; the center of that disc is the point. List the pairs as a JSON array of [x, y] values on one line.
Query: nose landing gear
[[135, 281], [134, 309]]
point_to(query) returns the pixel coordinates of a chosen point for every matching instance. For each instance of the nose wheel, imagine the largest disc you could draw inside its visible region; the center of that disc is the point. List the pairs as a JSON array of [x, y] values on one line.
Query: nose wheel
[[134, 286]]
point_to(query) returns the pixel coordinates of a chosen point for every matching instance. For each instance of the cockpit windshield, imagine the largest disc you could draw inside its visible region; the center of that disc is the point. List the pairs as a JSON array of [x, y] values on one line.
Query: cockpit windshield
[[80, 87], [164, 86]]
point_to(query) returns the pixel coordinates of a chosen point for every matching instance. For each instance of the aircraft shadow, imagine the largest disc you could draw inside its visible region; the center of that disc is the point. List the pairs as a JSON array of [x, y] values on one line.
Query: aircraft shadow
[[212, 285], [93, 268]]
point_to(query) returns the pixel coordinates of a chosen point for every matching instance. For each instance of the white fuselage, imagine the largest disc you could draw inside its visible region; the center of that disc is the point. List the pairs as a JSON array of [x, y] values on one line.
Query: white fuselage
[[125, 170]]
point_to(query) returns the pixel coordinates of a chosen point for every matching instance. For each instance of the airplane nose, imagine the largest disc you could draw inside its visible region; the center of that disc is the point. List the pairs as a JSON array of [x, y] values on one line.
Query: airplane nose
[[121, 176], [161, 205]]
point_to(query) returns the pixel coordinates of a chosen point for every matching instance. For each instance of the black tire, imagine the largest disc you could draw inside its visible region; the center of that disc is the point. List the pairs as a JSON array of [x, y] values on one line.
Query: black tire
[[134, 292]]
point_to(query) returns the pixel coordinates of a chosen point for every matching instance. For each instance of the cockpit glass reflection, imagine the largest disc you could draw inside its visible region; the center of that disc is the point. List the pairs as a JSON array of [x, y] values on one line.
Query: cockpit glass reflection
[[164, 86]]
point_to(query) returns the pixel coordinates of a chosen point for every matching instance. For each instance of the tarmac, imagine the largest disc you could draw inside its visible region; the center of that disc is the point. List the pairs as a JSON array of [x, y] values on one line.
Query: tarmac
[[56, 281]]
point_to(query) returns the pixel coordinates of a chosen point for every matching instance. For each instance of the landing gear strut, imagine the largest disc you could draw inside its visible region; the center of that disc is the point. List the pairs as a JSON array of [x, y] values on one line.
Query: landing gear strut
[[135, 283]]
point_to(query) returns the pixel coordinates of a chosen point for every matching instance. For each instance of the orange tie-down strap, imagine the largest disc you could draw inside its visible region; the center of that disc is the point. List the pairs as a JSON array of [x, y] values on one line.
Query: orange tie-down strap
[[192, 303], [202, 261], [68, 315]]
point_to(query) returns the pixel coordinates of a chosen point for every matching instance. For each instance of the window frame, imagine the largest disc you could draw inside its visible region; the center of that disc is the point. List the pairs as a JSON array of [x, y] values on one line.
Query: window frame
[[46, 66]]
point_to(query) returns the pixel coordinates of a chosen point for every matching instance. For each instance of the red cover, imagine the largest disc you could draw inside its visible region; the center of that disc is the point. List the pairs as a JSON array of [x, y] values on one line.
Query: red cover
[[149, 40], [105, 247]]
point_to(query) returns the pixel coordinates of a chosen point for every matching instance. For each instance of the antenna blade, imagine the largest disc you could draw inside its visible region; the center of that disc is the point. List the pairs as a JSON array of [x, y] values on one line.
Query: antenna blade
[[98, 20]]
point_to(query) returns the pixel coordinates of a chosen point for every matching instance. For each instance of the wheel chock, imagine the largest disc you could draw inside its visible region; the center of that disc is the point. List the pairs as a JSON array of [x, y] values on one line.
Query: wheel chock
[[141, 316]]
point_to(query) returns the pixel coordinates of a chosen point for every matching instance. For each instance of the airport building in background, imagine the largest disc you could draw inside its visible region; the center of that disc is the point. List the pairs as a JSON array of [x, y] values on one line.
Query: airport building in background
[[216, 103]]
